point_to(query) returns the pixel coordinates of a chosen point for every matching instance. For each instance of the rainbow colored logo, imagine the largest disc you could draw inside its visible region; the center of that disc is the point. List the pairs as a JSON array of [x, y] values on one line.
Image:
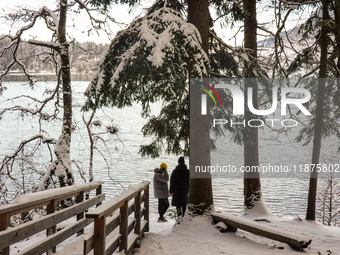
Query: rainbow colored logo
[[209, 93]]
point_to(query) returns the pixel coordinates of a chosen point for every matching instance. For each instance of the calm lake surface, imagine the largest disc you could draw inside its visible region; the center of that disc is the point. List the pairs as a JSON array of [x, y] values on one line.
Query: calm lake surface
[[284, 196]]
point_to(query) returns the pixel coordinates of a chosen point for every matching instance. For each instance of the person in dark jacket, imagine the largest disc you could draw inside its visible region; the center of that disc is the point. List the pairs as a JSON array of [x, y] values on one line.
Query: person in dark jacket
[[179, 187], [161, 191]]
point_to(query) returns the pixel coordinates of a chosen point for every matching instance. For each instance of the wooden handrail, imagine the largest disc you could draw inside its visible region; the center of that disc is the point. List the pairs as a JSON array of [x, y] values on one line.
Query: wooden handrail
[[116, 202], [27, 202], [38, 199], [125, 242]]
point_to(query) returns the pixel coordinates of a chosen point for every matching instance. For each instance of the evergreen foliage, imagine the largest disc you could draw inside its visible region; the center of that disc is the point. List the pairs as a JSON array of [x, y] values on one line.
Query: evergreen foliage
[[147, 62], [150, 61]]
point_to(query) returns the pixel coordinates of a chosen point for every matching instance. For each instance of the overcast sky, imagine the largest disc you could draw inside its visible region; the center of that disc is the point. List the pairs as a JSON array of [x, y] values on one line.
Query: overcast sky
[[78, 24]]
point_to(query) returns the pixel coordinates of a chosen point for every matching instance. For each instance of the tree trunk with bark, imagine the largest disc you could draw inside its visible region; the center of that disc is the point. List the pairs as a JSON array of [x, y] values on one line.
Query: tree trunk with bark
[[200, 193], [252, 184], [310, 215], [62, 149]]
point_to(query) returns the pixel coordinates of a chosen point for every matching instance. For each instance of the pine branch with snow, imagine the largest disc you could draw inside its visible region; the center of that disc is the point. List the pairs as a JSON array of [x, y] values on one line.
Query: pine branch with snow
[[149, 61]]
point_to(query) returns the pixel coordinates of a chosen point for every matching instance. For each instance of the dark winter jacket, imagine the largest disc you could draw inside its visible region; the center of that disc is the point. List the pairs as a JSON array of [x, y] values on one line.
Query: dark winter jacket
[[160, 183], [179, 185]]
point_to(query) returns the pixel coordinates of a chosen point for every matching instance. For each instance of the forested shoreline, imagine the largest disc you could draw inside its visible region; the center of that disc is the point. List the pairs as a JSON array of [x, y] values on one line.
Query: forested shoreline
[[84, 57]]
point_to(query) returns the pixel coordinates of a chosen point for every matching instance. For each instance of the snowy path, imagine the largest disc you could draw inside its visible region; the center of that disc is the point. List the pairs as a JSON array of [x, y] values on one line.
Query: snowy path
[[198, 236]]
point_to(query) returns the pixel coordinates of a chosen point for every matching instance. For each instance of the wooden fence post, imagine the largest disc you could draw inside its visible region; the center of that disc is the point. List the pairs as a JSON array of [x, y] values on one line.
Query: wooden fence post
[[138, 216], [4, 223], [99, 235], [80, 198], [146, 205], [50, 231], [123, 227], [98, 192]]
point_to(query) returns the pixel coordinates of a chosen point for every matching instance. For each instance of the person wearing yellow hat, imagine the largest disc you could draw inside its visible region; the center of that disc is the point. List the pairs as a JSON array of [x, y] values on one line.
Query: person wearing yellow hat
[[161, 191]]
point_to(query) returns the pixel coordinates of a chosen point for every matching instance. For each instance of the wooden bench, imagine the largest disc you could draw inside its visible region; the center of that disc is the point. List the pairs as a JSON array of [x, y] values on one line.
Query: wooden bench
[[296, 241]]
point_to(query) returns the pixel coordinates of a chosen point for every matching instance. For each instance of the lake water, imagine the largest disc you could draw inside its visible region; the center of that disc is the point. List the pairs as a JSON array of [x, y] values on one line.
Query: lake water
[[124, 167]]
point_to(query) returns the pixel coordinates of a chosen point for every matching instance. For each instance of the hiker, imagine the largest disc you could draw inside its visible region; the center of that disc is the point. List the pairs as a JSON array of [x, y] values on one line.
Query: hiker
[[179, 187], [161, 191]]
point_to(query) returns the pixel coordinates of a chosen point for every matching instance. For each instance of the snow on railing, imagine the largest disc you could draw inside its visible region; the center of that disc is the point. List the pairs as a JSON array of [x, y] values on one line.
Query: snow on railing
[[123, 240], [50, 198]]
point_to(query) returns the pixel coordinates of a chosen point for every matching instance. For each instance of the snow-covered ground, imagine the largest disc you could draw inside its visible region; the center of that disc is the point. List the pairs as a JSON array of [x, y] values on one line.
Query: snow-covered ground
[[197, 235]]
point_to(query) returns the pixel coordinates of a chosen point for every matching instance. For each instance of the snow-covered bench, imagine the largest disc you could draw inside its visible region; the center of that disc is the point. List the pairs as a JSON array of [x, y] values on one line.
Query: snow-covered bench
[[295, 240]]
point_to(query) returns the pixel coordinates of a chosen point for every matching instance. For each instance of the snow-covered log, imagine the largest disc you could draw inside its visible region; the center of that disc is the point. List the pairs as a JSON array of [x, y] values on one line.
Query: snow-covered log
[[295, 240]]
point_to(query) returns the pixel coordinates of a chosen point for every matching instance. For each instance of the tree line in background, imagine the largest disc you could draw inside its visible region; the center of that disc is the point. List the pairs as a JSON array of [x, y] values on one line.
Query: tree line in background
[[154, 58], [84, 57]]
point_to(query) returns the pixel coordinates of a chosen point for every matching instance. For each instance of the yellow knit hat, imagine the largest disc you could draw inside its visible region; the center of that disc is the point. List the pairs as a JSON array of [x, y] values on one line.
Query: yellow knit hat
[[163, 165]]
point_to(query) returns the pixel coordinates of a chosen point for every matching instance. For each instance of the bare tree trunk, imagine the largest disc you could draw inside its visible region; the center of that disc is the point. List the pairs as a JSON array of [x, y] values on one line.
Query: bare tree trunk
[[200, 188], [319, 115], [90, 135], [63, 147], [252, 184]]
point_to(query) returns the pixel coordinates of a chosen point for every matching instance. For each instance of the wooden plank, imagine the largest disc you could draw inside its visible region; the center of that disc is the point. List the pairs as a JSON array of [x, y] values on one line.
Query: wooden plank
[[98, 192], [133, 238], [117, 201], [88, 243], [50, 231], [138, 214], [99, 236], [80, 198], [55, 239], [112, 245], [112, 224], [44, 197], [146, 205], [143, 212], [123, 227], [143, 225], [4, 223], [131, 225], [28, 208], [131, 208], [295, 240], [16, 234]]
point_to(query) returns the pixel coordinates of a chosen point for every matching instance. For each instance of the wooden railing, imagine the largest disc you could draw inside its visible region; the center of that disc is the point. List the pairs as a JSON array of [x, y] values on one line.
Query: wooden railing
[[50, 198], [124, 240]]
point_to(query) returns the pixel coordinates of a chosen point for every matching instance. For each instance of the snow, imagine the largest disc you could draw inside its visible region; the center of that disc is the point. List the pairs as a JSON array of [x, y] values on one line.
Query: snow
[[156, 32], [53, 45], [258, 211], [197, 235], [46, 194]]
